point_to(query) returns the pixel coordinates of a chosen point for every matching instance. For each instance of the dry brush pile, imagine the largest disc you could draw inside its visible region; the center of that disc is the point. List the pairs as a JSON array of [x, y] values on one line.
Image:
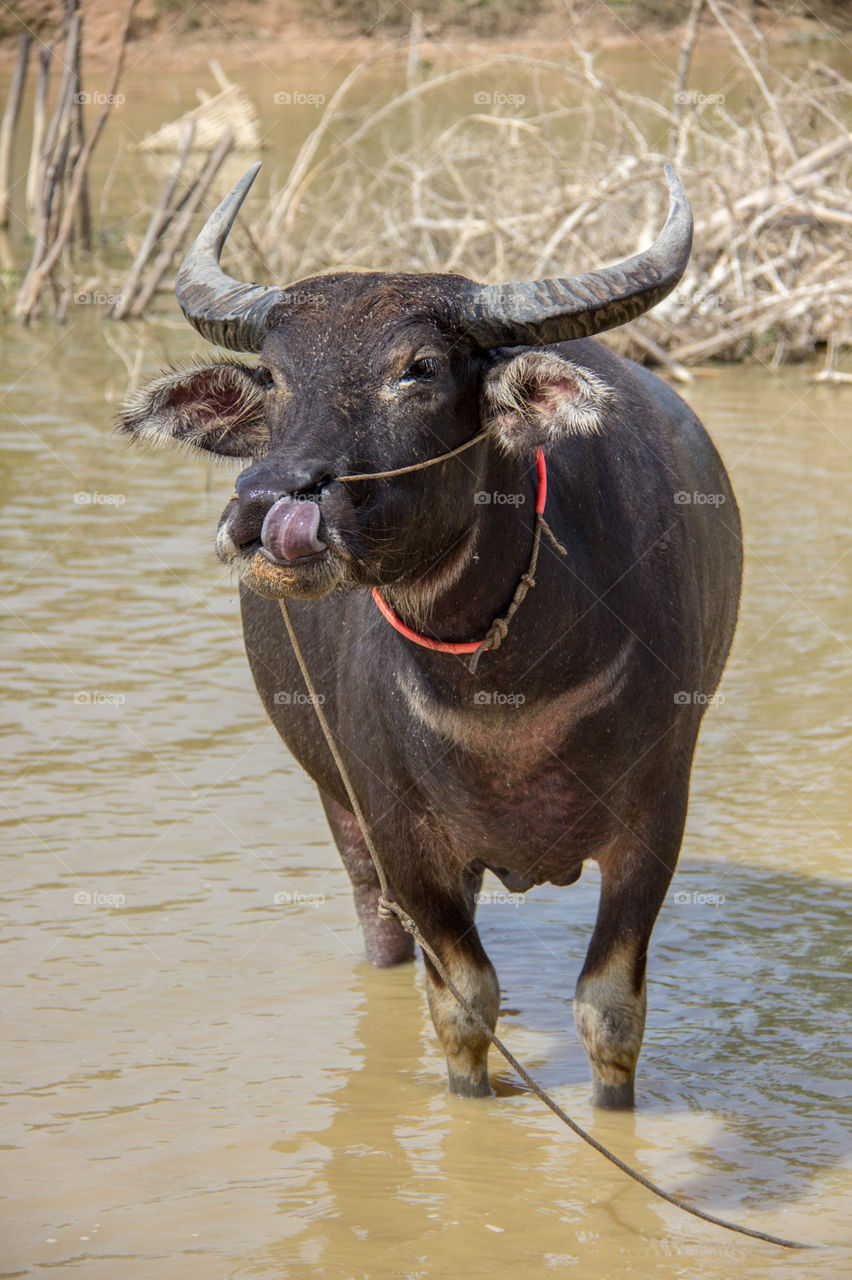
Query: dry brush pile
[[560, 173], [577, 181]]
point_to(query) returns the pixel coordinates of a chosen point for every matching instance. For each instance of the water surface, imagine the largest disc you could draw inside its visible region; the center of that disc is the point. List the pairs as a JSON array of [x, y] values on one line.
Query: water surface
[[203, 1076]]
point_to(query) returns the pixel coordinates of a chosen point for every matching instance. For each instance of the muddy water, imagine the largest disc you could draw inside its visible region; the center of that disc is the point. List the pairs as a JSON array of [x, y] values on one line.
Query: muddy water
[[205, 1079]]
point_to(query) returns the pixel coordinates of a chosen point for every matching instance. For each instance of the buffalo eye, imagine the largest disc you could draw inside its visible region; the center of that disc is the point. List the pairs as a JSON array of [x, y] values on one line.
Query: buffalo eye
[[263, 378], [422, 370]]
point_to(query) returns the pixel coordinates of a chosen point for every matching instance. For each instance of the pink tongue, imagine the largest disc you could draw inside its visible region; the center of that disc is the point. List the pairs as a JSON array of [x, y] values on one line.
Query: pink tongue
[[290, 529]]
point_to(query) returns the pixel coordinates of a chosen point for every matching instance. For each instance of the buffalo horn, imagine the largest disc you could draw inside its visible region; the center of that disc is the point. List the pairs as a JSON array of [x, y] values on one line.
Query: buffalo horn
[[236, 315], [556, 310], [224, 310]]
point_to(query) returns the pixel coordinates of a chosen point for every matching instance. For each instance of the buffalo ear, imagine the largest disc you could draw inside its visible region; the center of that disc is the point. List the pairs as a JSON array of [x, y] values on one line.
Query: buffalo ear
[[536, 399], [215, 407]]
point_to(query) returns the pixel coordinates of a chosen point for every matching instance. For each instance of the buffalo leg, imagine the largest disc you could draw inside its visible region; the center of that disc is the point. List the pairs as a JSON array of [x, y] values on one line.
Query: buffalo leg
[[385, 941], [447, 924], [465, 1044], [609, 1004]]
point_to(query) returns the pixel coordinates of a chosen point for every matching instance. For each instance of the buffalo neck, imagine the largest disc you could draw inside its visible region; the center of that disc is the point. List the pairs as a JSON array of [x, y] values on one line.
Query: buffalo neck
[[484, 566]]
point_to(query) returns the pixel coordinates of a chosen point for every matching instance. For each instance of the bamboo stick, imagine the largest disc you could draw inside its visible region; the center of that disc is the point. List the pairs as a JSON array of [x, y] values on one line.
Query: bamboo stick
[[78, 136], [9, 124], [677, 145], [51, 166], [182, 224], [55, 128], [35, 172], [158, 224], [54, 150]]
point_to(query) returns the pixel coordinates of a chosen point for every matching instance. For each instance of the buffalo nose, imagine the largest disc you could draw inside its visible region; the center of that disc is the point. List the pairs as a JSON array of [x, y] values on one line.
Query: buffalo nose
[[260, 487], [281, 480]]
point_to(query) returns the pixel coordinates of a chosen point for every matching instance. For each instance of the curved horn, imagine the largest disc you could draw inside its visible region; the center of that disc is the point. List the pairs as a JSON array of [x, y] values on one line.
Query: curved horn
[[556, 310], [223, 310]]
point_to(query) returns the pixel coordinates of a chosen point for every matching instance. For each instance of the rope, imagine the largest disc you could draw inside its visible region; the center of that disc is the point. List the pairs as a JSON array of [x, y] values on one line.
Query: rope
[[389, 908], [499, 628], [497, 632], [415, 466]]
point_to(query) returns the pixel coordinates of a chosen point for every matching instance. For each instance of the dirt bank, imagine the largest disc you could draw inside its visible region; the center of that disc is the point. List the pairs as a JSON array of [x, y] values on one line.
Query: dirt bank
[[283, 32]]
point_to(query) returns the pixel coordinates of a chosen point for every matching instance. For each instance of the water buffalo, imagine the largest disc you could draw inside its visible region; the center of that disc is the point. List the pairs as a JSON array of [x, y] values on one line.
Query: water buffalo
[[574, 737]]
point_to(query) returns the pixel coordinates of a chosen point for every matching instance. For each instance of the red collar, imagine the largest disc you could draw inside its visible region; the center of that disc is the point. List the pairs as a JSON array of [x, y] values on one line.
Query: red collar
[[472, 645]]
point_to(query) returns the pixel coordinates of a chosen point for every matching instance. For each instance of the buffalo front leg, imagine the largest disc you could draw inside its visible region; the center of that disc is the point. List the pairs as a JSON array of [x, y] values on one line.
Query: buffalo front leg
[[447, 925], [464, 1041], [609, 1003], [385, 941]]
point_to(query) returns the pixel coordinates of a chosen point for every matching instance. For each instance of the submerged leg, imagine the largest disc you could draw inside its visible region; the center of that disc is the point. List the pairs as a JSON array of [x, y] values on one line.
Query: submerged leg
[[445, 917], [609, 1003], [446, 920], [465, 1044], [453, 935], [609, 1010], [385, 941]]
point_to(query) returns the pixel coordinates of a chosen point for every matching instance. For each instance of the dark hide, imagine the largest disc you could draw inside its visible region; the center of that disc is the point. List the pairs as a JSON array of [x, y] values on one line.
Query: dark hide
[[575, 739]]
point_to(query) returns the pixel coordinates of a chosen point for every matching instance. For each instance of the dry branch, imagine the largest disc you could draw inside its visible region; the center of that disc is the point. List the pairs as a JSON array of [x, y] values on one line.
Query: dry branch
[[35, 172], [7, 127], [580, 183], [572, 181], [160, 219], [179, 231], [39, 271]]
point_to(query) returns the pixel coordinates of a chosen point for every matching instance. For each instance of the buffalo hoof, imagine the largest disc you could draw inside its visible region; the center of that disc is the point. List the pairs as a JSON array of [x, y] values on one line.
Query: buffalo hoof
[[613, 1097], [465, 1087]]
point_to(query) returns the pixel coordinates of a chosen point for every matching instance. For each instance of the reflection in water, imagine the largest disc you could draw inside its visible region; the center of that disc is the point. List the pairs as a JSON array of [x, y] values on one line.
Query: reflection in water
[[436, 1172], [205, 1079]]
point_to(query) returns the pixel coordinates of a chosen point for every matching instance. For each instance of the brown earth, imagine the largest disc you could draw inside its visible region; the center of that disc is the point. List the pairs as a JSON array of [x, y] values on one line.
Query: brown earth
[[288, 31]]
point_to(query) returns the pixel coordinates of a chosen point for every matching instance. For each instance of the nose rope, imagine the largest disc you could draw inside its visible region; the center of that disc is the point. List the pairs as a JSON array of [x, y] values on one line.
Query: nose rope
[[389, 908], [415, 466], [499, 628], [401, 471]]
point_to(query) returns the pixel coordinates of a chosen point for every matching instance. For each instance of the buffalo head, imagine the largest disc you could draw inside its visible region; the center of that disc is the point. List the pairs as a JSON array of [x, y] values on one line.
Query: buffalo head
[[364, 373]]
